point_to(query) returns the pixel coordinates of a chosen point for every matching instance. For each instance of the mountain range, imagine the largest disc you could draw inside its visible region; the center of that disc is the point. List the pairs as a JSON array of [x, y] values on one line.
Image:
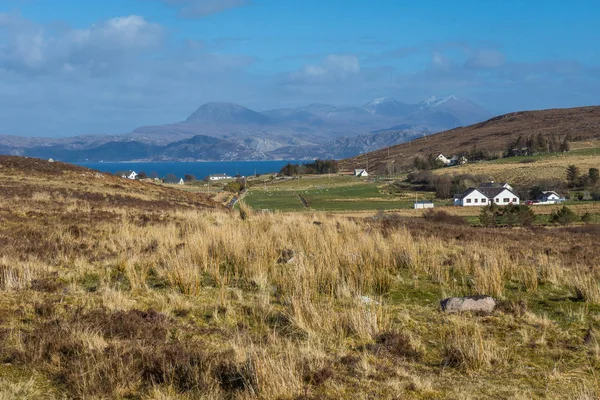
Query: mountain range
[[227, 131]]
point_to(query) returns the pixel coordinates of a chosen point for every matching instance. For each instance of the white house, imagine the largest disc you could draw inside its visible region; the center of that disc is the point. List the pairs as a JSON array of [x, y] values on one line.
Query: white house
[[483, 196], [549, 197], [423, 204], [181, 181], [219, 177], [445, 160], [127, 174], [361, 172], [455, 160]]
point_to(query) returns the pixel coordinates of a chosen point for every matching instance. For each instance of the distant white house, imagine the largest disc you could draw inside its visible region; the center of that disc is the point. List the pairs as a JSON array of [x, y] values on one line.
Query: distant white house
[[549, 197], [423, 204], [442, 158], [219, 177], [127, 174], [486, 194], [361, 172], [181, 181], [454, 160]]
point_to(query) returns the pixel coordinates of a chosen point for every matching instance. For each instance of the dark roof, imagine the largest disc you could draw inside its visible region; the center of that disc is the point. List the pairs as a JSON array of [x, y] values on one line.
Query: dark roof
[[492, 184], [489, 192]]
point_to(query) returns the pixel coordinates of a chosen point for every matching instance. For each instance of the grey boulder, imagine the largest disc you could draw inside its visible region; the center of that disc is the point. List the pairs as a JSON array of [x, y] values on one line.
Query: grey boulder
[[470, 303]]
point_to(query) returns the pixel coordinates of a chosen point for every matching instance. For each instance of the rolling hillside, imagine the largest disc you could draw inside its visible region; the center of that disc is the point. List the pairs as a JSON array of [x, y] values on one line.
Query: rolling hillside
[[494, 135]]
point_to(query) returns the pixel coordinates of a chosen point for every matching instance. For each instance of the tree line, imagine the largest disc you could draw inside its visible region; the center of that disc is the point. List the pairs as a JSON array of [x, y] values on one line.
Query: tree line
[[314, 168]]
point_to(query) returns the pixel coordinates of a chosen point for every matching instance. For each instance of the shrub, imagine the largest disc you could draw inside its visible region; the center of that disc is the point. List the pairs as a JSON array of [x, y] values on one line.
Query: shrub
[[443, 217], [511, 215], [564, 216]]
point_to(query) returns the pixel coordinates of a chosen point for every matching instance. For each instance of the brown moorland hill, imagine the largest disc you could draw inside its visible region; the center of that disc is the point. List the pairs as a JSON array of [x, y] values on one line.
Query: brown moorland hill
[[24, 178], [494, 135]]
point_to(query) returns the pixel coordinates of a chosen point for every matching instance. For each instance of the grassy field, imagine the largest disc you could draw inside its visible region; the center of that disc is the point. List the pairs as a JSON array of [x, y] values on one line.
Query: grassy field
[[126, 290], [333, 193], [518, 171]]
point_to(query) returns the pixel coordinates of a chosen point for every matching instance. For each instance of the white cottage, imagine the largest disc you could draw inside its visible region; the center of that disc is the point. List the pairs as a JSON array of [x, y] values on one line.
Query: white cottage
[[483, 196], [443, 159], [361, 172], [549, 197], [127, 174]]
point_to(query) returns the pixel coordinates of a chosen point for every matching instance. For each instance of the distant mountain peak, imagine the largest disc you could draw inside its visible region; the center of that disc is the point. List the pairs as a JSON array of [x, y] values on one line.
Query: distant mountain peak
[[228, 113], [388, 107], [435, 101]]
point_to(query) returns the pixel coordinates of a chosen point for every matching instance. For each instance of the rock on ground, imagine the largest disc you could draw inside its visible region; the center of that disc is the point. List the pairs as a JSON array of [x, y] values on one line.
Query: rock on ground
[[471, 303]]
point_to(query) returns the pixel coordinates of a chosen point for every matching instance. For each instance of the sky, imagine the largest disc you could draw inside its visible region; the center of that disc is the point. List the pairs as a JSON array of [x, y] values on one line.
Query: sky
[[73, 67]]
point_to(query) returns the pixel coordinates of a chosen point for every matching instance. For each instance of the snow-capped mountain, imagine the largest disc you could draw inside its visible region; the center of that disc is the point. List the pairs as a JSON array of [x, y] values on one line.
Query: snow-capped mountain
[[388, 107]]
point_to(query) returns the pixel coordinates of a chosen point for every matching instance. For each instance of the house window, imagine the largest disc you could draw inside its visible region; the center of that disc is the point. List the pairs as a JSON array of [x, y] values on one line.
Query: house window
[[483, 200], [514, 199], [497, 200], [475, 200], [468, 200], [506, 199]]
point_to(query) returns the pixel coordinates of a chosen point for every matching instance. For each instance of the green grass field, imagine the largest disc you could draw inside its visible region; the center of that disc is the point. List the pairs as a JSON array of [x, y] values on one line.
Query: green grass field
[[335, 193]]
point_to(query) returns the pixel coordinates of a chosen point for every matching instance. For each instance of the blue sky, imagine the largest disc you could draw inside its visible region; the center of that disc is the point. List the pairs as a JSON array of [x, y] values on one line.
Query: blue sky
[[71, 67]]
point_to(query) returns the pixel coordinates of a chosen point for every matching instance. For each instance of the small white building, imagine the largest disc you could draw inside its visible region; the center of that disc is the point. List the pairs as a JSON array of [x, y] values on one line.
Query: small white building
[[181, 181], [361, 172], [442, 158], [219, 177], [127, 174], [484, 195], [549, 197], [423, 204]]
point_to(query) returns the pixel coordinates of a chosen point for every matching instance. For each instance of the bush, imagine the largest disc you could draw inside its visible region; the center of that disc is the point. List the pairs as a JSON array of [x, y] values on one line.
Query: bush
[[564, 216], [233, 187], [443, 217], [511, 215]]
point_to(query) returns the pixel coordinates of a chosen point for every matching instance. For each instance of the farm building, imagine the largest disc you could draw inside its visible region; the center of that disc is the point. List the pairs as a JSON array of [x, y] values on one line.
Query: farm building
[[486, 194], [219, 177], [423, 204], [361, 172]]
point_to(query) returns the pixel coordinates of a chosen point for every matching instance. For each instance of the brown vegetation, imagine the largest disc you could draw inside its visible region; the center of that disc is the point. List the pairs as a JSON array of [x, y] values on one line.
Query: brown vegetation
[[582, 123], [105, 299]]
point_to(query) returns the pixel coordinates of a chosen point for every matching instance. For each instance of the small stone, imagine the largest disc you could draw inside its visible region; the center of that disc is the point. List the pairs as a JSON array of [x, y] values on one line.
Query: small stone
[[367, 300], [287, 256], [480, 303]]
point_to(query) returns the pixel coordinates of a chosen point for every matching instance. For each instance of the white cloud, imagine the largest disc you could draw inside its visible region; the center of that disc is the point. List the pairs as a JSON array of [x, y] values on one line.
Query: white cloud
[[29, 47], [486, 59], [334, 67]]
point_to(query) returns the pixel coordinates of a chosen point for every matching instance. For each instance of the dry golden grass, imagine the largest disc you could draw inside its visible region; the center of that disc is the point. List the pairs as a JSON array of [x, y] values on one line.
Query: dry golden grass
[[523, 174], [108, 300]]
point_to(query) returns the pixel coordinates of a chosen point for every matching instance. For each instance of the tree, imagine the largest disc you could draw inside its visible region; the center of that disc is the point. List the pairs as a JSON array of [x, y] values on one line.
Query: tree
[[487, 216], [564, 146], [142, 175], [572, 175], [594, 176], [171, 178], [564, 216], [153, 175], [189, 178]]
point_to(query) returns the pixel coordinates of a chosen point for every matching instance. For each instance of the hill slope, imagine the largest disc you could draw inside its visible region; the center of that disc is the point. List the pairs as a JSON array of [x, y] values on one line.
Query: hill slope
[[494, 135], [50, 182]]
